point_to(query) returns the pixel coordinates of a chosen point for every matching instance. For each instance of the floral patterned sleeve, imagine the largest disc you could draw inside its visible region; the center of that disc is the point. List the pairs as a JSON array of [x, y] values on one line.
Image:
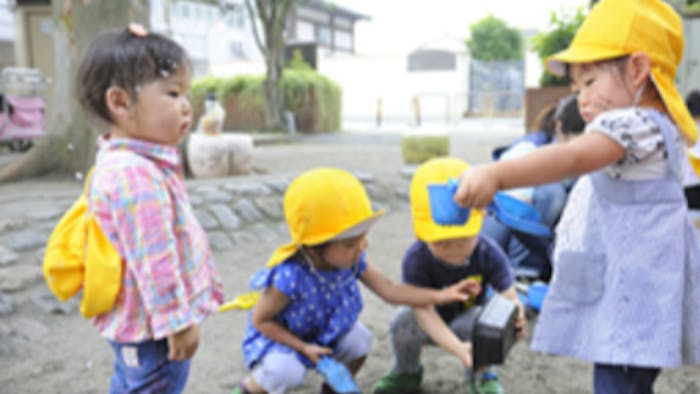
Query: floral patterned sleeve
[[637, 132]]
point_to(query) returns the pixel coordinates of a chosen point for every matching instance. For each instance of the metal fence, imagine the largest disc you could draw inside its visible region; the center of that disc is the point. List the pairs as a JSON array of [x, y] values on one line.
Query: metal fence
[[495, 87]]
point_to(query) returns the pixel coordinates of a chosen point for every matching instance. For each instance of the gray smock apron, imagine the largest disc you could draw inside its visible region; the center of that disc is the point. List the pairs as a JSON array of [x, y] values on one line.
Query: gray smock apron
[[626, 284]]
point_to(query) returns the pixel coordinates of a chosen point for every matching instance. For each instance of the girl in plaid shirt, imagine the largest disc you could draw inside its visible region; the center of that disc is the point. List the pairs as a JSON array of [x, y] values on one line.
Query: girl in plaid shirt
[[138, 83]]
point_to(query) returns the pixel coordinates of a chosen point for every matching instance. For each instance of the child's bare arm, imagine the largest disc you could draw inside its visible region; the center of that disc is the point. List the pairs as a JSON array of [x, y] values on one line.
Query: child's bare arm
[[271, 302], [400, 293], [587, 153], [433, 325]]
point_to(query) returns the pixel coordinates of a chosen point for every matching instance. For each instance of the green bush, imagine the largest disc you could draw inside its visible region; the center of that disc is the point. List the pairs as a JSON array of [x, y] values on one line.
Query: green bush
[[298, 63], [418, 149], [314, 99], [308, 92], [249, 88], [558, 38]]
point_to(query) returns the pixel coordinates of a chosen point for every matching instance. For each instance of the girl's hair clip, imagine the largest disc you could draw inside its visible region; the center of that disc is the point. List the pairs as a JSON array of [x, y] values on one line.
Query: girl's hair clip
[[138, 30]]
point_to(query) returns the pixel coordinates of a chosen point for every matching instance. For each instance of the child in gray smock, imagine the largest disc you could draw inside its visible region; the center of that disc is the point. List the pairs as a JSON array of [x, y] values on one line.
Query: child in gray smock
[[625, 293]]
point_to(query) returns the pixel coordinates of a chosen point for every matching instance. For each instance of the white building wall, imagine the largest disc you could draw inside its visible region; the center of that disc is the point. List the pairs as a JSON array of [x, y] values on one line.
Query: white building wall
[[7, 21], [209, 35], [366, 79], [305, 32]]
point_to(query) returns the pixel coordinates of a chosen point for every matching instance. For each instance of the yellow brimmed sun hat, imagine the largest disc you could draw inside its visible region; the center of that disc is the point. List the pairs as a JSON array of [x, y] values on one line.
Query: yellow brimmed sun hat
[[616, 28], [438, 170], [321, 205]]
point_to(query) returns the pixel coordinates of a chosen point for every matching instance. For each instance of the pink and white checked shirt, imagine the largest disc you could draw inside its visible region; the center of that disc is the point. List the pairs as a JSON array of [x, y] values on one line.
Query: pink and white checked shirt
[[169, 279]]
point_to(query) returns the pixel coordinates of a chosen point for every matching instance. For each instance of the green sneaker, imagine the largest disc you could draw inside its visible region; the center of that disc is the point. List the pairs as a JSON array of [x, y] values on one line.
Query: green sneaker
[[471, 387], [487, 385], [399, 383], [491, 386]]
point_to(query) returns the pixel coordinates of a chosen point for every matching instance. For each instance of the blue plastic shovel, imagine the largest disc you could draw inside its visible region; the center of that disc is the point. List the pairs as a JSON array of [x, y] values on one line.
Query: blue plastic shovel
[[513, 213], [337, 376]]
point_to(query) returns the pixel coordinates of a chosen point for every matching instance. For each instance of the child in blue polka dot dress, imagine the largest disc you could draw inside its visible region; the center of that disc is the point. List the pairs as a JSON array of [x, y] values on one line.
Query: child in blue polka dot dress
[[311, 301]]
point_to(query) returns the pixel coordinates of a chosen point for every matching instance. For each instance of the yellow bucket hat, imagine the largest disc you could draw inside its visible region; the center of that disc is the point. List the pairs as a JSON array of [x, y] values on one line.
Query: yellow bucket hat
[[321, 205], [617, 28], [438, 170]]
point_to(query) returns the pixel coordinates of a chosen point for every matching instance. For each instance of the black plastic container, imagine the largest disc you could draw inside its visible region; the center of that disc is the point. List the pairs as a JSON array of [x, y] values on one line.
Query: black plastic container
[[494, 331]]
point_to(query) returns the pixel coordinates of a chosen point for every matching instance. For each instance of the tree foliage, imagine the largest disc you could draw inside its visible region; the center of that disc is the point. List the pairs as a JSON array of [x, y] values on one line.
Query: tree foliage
[[492, 39], [562, 30]]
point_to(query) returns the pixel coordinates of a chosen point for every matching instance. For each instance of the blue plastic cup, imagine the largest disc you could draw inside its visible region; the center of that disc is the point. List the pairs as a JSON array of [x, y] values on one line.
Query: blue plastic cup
[[535, 295], [443, 207]]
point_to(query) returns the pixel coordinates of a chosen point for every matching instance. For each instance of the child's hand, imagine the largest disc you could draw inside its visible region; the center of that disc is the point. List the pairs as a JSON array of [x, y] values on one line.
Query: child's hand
[[521, 323], [183, 344], [460, 291], [465, 354], [472, 287], [314, 352], [477, 187]]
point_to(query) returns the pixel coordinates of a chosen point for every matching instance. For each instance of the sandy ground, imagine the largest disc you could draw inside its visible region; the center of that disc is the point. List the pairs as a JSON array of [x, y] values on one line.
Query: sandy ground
[[68, 356]]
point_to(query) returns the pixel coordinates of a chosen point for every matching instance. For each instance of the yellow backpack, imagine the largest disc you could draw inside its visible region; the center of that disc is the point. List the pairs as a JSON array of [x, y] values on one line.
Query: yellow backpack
[[79, 255]]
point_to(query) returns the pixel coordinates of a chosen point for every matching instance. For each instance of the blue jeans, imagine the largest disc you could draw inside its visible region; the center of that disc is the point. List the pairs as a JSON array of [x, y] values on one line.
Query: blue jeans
[[618, 379], [144, 368], [528, 255]]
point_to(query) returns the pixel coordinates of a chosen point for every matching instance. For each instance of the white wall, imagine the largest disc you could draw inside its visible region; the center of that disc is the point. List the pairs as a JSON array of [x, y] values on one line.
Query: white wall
[[207, 33], [7, 21], [365, 79]]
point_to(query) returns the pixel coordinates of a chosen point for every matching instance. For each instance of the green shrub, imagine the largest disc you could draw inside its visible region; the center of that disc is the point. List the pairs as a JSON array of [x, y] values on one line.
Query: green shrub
[[314, 99], [298, 63], [558, 38], [418, 149], [249, 88]]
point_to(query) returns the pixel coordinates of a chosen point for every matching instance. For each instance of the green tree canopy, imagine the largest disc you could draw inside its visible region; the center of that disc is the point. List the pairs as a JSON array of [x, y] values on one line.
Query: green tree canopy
[[492, 39], [562, 31]]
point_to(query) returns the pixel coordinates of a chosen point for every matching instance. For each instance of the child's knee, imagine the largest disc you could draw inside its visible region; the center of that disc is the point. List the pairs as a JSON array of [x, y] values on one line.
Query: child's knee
[[357, 343], [279, 372], [404, 327]]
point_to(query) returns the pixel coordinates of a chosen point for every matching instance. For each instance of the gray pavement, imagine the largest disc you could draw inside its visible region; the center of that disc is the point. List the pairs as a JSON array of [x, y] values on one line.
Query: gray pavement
[[45, 347]]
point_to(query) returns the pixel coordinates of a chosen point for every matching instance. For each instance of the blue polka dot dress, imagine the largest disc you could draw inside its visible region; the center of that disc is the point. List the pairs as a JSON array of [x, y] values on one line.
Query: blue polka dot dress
[[324, 305]]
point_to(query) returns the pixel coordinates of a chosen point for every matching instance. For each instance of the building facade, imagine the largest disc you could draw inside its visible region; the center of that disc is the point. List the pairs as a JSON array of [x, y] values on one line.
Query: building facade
[[7, 34], [330, 27]]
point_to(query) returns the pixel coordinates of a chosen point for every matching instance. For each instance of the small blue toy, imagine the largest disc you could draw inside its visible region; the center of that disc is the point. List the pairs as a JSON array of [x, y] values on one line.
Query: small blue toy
[[513, 213], [337, 376]]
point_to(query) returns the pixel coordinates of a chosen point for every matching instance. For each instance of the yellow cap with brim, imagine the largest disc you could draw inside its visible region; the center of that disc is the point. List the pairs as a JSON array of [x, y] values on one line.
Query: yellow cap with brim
[[322, 205], [438, 170], [616, 28]]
